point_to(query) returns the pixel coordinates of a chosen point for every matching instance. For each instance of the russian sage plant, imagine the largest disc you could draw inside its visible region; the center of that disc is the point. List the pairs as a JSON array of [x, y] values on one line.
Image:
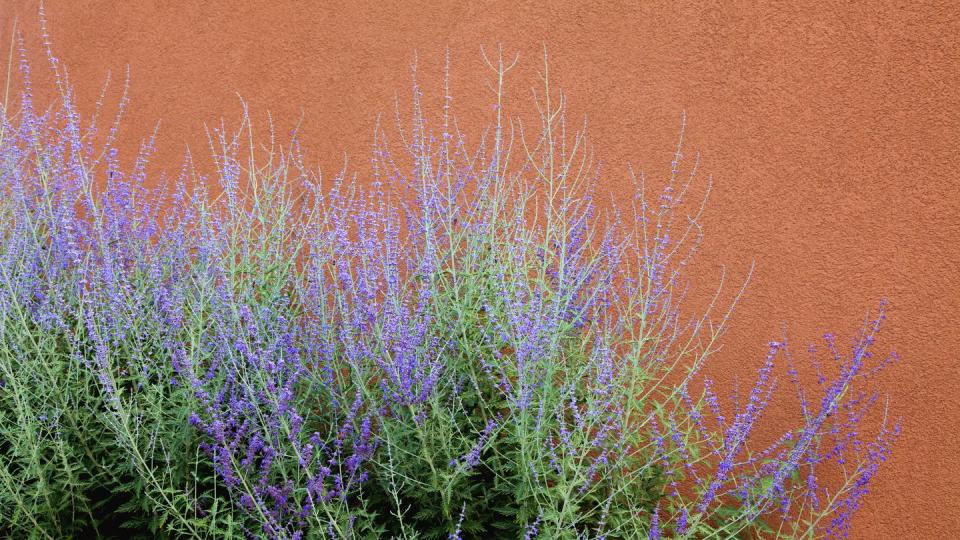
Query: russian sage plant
[[462, 345]]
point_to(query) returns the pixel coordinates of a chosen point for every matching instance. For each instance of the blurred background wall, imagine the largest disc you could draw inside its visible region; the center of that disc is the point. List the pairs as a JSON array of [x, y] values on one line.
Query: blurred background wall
[[831, 130]]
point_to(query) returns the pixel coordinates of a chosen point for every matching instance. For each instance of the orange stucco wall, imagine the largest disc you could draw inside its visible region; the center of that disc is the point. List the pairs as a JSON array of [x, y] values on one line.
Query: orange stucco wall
[[830, 128]]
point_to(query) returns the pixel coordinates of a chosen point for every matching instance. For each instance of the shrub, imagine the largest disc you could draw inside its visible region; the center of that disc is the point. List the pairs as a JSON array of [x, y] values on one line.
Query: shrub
[[462, 346]]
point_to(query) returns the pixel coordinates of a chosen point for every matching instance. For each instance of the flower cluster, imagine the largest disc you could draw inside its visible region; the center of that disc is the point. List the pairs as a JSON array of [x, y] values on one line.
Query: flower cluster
[[464, 345]]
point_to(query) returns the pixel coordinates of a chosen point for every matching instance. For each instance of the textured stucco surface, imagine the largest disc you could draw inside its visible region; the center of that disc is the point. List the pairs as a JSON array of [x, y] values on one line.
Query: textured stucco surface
[[831, 131]]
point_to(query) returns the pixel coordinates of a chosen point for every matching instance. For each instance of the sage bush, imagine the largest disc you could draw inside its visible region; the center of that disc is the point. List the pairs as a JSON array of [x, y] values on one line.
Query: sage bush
[[464, 344]]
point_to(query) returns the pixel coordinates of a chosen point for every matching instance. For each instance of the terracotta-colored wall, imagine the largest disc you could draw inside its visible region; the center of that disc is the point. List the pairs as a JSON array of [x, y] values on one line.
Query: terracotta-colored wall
[[831, 130]]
